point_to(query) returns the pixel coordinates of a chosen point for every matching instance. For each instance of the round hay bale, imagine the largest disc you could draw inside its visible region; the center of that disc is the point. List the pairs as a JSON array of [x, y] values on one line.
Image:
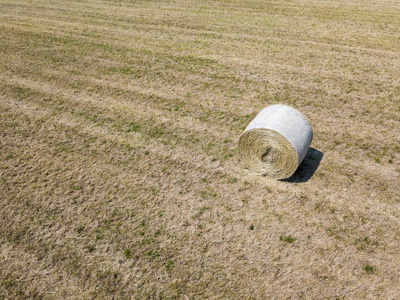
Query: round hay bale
[[276, 141]]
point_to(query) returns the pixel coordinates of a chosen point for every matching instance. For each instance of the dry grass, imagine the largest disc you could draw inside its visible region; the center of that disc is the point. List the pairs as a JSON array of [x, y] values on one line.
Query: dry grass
[[120, 175]]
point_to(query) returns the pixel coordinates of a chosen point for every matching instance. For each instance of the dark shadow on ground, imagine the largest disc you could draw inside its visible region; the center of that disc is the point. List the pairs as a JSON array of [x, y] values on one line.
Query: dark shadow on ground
[[308, 166]]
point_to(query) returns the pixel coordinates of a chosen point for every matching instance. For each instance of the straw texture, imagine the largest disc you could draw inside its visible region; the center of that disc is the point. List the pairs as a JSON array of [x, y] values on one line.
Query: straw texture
[[276, 141]]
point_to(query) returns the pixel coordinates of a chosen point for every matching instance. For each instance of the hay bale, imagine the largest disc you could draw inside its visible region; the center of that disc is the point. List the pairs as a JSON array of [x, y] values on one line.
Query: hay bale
[[276, 141]]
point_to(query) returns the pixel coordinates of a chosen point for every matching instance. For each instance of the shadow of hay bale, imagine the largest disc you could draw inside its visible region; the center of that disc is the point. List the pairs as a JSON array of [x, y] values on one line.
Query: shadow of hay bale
[[308, 166]]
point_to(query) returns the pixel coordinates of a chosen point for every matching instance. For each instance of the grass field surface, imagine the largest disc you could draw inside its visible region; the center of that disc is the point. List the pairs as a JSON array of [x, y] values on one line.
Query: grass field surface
[[119, 171]]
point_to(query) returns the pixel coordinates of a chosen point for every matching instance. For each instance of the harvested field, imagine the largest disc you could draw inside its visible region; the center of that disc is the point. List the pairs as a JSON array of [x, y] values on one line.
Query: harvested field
[[119, 170]]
